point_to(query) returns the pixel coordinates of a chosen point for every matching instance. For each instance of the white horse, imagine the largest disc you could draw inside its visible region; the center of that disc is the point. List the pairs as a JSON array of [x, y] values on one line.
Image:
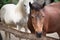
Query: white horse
[[17, 15], [11, 13]]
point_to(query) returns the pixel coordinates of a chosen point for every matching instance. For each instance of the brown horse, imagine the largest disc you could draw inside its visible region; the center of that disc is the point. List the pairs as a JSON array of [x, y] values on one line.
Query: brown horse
[[45, 19]]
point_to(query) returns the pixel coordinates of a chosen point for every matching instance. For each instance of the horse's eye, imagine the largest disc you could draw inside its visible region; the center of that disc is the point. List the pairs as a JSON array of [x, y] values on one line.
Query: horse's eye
[[25, 5], [42, 16], [32, 17]]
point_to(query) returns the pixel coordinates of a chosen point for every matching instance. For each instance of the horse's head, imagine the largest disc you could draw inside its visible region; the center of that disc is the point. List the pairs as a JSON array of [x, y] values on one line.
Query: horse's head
[[37, 18], [26, 5]]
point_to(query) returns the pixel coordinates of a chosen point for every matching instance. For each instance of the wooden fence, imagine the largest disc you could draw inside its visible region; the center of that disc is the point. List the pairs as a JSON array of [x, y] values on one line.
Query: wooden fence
[[22, 34]]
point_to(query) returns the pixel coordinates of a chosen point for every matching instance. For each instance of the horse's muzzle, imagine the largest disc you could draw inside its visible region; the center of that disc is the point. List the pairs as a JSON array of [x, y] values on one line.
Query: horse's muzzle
[[38, 34]]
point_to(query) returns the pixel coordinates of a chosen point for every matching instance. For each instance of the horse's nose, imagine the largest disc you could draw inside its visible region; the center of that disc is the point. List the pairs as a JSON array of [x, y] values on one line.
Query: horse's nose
[[39, 34]]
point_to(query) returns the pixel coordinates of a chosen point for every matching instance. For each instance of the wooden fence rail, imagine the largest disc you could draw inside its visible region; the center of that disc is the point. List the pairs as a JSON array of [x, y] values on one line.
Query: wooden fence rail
[[23, 34]]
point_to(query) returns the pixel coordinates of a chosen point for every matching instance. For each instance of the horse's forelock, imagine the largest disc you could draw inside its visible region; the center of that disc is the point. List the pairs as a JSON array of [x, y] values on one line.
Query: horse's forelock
[[36, 6]]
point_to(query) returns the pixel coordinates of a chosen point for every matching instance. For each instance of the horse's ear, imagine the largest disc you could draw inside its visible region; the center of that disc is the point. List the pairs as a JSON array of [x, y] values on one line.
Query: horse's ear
[[30, 4], [43, 4]]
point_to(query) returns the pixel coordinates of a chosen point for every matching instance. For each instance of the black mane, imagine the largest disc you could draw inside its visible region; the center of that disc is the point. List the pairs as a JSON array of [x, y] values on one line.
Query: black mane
[[36, 6]]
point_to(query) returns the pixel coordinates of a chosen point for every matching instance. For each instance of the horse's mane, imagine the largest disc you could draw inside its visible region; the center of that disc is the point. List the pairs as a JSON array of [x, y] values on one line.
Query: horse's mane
[[36, 6]]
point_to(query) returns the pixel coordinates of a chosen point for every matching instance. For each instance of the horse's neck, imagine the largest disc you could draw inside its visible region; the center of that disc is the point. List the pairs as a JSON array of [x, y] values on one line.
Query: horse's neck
[[20, 7]]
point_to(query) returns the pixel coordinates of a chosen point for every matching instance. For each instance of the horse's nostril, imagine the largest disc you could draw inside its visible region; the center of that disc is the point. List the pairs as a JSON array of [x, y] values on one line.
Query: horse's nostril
[[38, 34]]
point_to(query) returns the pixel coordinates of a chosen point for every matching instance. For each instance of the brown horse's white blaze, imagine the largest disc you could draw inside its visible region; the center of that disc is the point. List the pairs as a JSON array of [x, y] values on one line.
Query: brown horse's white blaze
[[38, 21]]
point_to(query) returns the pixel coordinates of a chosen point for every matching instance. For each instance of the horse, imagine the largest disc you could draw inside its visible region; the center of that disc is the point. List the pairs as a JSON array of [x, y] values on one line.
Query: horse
[[44, 19], [15, 15], [12, 14]]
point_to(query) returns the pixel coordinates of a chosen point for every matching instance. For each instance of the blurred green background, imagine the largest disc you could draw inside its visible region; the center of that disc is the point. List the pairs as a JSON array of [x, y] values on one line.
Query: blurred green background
[[2, 2], [56, 0]]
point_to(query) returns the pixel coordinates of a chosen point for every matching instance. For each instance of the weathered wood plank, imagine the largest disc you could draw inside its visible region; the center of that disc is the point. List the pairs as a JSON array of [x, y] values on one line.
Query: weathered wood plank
[[22, 34]]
